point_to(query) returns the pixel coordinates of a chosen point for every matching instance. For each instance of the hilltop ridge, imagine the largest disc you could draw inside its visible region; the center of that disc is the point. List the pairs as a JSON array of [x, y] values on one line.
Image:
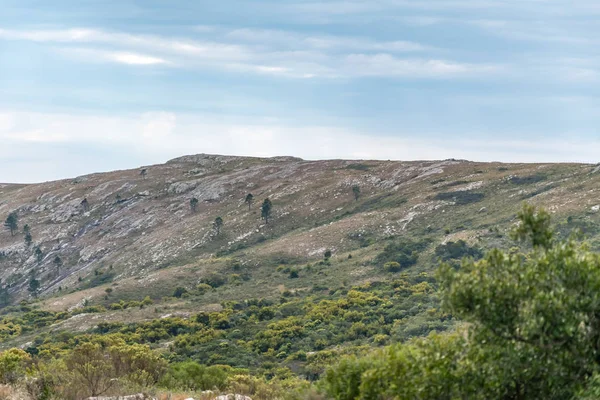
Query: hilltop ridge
[[135, 225]]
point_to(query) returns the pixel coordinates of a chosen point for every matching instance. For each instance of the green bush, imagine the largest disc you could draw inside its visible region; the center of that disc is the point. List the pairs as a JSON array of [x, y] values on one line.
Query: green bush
[[203, 288], [461, 197], [456, 251], [392, 266], [214, 280], [13, 363], [179, 292], [405, 253], [190, 375]]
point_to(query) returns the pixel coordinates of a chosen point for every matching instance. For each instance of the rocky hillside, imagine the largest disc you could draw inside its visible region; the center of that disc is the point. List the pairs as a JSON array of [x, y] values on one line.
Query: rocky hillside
[[137, 229]]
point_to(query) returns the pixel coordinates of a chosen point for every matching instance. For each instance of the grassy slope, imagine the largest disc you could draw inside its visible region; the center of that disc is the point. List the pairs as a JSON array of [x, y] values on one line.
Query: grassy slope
[[169, 246]]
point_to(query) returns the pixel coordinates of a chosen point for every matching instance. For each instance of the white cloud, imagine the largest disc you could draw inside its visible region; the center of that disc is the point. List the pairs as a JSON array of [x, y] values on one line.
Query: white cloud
[[321, 42], [267, 52], [135, 59], [548, 30], [120, 57], [64, 35], [158, 136], [388, 65]]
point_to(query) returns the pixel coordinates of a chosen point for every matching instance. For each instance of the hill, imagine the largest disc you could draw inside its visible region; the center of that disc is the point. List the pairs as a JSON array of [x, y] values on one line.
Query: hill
[[334, 271]]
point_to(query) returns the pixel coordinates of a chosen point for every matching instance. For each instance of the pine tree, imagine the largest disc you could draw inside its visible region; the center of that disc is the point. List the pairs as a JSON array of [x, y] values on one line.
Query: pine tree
[[12, 222], [39, 255], [249, 200], [193, 204], [356, 192], [217, 225], [266, 210], [28, 237]]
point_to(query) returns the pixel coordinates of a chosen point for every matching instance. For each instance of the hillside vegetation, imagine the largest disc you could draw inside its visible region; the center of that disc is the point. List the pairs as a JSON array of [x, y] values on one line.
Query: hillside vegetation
[[128, 263]]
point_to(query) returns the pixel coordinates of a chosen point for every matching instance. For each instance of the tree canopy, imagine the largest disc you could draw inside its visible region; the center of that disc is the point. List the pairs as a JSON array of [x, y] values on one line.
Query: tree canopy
[[356, 191], [193, 204], [217, 225], [266, 209], [12, 222], [531, 329], [249, 200]]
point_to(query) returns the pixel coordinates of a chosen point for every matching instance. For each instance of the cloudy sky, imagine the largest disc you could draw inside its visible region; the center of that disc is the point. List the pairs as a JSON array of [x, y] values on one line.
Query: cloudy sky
[[99, 85]]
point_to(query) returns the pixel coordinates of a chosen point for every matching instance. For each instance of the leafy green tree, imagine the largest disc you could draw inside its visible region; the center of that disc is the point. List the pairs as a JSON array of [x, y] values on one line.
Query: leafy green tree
[[266, 210], [92, 368], [12, 223], [194, 204], [217, 225], [532, 329], [13, 365], [249, 200], [356, 192], [541, 316], [137, 363]]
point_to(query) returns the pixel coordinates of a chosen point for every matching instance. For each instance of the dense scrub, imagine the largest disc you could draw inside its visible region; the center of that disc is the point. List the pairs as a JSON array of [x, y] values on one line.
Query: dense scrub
[[532, 334], [267, 348]]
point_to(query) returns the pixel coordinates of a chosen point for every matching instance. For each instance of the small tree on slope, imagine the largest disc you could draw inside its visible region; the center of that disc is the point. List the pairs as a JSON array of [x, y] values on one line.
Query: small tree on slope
[[266, 210]]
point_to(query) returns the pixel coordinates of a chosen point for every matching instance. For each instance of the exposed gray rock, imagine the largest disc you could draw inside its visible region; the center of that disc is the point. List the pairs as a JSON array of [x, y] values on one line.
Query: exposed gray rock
[[232, 397], [66, 211], [139, 396]]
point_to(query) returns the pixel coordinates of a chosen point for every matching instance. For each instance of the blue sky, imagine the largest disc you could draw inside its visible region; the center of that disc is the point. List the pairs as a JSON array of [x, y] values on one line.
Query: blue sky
[[99, 85]]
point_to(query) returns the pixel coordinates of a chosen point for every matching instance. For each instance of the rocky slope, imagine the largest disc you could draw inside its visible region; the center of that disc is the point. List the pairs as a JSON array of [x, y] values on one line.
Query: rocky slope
[[135, 225]]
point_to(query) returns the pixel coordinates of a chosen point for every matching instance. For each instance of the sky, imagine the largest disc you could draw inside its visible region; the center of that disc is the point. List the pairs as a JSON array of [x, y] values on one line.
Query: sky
[[99, 85]]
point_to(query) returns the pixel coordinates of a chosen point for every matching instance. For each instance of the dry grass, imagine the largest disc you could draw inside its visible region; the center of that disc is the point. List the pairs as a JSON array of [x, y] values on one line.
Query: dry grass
[[8, 392]]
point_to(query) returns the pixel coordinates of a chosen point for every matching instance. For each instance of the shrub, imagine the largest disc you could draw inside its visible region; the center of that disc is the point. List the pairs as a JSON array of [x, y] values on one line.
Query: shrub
[[203, 288], [358, 167], [457, 250], [404, 253], [461, 197], [214, 280], [527, 180], [13, 363], [147, 301], [190, 375], [179, 292], [392, 266]]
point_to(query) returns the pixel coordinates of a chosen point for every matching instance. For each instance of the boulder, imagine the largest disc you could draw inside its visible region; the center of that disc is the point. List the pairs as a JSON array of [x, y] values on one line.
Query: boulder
[[232, 397]]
